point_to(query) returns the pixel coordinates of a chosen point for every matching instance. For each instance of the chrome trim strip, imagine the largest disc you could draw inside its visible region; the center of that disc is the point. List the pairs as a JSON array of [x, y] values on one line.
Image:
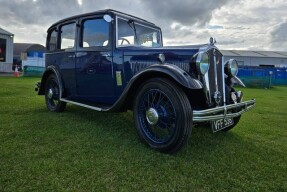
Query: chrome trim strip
[[207, 87], [81, 104], [222, 112], [223, 80], [117, 31], [215, 70]]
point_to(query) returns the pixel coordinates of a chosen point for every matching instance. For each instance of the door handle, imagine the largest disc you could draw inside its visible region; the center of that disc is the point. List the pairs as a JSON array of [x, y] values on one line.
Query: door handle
[[72, 56], [91, 71], [81, 54]]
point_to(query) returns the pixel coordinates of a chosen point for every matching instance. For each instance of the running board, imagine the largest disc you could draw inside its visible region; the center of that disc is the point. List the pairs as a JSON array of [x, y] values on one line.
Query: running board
[[81, 104]]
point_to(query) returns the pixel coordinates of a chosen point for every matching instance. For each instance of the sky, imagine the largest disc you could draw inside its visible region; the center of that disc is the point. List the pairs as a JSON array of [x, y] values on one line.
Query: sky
[[235, 24]]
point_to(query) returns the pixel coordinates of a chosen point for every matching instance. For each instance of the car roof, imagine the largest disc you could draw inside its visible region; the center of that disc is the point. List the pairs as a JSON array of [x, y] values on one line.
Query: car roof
[[107, 11]]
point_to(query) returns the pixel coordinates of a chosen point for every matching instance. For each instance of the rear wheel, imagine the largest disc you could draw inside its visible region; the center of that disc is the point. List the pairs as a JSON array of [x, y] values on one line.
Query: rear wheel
[[163, 115], [52, 95]]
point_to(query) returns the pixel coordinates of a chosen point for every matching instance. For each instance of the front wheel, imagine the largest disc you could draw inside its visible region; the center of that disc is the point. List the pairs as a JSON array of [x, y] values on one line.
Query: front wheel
[[163, 115], [235, 121], [52, 95]]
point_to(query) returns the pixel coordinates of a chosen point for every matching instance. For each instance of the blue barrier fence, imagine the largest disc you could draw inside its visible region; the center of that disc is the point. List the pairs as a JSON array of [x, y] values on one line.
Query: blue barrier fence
[[33, 71], [260, 76]]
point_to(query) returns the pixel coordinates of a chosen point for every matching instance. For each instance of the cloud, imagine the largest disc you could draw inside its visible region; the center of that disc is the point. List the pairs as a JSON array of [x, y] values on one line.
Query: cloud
[[42, 13], [36, 12], [185, 12], [279, 36], [235, 24], [215, 27], [230, 42]]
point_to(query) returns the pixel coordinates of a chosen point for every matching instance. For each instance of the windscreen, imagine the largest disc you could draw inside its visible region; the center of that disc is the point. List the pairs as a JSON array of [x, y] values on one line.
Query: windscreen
[[131, 33]]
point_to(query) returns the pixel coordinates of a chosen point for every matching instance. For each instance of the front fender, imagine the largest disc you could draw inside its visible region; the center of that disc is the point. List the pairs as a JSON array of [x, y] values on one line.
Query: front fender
[[157, 70], [235, 80], [50, 70]]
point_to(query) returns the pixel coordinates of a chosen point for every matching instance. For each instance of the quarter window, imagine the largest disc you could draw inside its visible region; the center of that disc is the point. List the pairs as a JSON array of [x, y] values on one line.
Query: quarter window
[[95, 33], [52, 46], [68, 36]]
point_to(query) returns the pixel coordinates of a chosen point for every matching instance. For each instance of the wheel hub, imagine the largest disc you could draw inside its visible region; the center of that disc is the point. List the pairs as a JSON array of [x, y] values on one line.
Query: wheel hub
[[50, 94], [152, 116]]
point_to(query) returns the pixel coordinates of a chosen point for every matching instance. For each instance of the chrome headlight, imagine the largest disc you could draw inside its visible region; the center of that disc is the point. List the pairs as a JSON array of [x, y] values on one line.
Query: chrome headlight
[[202, 63], [231, 68]]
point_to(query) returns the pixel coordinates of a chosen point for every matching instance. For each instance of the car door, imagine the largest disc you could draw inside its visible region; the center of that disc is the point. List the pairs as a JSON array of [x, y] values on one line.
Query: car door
[[65, 57], [94, 65]]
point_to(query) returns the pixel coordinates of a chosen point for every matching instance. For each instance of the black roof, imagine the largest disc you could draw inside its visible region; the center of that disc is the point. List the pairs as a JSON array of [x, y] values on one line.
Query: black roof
[[26, 47], [100, 12]]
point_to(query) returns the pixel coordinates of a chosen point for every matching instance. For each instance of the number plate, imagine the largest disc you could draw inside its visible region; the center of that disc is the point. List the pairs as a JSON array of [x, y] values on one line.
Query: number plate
[[220, 124]]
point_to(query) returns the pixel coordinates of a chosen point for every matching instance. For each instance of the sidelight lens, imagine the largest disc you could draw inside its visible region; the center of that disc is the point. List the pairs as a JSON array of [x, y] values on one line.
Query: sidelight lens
[[231, 68]]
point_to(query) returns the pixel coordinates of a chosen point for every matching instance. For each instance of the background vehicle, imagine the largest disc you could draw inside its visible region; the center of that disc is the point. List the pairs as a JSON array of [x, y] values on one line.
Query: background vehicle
[[111, 61]]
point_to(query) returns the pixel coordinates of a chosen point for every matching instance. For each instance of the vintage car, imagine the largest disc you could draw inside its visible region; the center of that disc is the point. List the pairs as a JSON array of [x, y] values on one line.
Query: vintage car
[[110, 61]]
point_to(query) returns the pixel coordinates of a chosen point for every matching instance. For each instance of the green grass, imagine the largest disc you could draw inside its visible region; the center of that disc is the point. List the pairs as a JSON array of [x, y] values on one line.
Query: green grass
[[84, 150]]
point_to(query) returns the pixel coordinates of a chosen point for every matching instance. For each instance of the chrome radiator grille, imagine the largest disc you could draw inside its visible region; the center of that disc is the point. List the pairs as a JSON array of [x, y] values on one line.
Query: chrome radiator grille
[[214, 79]]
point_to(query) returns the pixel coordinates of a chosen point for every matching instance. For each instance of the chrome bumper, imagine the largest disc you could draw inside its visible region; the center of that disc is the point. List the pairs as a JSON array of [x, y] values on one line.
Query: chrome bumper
[[223, 111]]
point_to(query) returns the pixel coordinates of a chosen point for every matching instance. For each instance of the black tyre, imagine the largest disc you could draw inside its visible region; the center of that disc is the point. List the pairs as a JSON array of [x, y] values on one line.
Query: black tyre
[[162, 115], [235, 120], [52, 95]]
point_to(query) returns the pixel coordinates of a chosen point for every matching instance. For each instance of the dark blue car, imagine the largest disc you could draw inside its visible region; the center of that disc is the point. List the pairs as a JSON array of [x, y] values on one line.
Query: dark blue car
[[111, 61]]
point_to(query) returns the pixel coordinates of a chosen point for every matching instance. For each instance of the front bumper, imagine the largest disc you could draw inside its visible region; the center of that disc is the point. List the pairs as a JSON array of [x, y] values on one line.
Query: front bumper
[[227, 111]]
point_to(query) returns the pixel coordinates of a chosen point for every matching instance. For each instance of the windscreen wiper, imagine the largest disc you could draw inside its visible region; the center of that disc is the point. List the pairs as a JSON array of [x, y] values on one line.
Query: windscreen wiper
[[131, 23]]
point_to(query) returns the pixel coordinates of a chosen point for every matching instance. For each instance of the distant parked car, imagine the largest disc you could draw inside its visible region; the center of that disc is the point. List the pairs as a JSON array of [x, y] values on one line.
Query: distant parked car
[[111, 61]]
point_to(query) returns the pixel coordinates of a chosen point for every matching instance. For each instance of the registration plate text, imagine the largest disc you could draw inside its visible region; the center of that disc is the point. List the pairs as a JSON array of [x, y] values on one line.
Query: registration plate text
[[220, 124]]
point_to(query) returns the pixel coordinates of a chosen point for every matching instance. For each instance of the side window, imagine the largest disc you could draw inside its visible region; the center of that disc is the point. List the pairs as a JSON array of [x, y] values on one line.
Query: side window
[[52, 44], [95, 33], [68, 36]]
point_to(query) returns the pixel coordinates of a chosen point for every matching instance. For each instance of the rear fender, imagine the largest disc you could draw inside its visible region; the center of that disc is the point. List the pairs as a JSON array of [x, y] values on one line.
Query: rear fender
[[50, 70]]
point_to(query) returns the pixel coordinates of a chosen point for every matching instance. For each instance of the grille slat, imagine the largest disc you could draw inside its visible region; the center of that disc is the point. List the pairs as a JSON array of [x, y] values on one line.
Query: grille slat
[[137, 66]]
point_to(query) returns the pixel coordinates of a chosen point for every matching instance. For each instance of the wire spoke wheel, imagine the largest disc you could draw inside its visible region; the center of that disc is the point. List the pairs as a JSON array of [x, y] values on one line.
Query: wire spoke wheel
[[52, 95], [163, 115], [157, 116]]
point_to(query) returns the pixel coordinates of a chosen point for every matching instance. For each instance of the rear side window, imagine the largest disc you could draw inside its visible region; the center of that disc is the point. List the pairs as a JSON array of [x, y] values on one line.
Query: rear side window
[[95, 33], [52, 44], [68, 36]]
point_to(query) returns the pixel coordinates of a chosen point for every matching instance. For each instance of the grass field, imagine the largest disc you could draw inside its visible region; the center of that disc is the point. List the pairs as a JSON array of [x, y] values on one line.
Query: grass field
[[84, 150]]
